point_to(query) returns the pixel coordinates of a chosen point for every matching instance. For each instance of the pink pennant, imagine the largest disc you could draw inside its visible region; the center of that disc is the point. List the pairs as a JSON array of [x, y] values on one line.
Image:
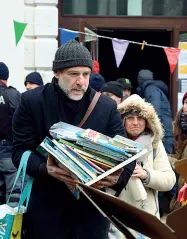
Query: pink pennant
[[172, 56], [120, 48]]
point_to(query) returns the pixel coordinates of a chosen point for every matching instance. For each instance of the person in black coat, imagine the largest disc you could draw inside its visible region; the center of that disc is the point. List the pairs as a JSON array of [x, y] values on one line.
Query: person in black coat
[[33, 80], [156, 93], [53, 212], [96, 81], [114, 90], [9, 101]]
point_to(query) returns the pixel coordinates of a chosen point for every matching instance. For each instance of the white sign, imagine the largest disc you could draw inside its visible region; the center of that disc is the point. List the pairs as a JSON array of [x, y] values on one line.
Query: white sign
[[183, 86], [182, 64], [180, 96]]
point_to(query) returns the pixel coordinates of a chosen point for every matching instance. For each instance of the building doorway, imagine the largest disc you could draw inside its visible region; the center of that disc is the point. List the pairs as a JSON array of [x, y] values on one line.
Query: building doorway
[[135, 59]]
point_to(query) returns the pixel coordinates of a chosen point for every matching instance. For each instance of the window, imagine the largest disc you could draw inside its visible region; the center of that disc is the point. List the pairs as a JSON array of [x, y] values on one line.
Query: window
[[95, 7], [164, 7], [125, 7]]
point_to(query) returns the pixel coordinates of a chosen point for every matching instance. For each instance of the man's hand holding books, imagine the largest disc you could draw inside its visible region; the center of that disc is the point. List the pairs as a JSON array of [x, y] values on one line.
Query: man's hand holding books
[[93, 159], [64, 175], [59, 173], [109, 181]]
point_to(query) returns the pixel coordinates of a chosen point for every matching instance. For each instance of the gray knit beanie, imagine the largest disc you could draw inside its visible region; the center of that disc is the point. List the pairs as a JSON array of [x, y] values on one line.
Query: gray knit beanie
[[72, 54]]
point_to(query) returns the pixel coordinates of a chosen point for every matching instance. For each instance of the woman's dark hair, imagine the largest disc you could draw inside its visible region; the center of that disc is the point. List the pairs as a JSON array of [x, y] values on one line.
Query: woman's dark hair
[[177, 131], [178, 123]]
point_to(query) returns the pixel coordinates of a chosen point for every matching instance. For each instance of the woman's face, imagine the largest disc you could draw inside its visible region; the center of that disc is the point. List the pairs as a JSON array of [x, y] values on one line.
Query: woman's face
[[135, 125], [185, 107]]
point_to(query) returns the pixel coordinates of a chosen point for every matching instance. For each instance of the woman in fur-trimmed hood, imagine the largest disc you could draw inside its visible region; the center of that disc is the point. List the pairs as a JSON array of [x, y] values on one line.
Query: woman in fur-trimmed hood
[[153, 172], [136, 104]]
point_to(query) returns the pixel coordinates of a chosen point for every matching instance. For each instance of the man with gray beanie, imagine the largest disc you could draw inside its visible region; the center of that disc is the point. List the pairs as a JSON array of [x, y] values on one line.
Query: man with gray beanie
[[53, 212], [9, 100]]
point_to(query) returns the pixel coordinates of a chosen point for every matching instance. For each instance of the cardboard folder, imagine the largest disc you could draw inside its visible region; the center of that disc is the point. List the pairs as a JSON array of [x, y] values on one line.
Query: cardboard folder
[[177, 220], [181, 168], [125, 216]]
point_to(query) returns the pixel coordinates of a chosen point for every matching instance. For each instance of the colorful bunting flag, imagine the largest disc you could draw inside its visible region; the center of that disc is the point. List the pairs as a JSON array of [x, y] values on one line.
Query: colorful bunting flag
[[67, 35], [120, 47], [90, 35], [172, 56], [19, 28]]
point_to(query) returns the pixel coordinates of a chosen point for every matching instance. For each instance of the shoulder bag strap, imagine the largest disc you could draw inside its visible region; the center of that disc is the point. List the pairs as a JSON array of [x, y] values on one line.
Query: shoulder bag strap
[[90, 109]]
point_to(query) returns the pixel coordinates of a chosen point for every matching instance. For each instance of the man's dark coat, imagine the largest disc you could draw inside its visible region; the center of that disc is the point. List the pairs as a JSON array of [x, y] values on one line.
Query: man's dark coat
[[53, 212]]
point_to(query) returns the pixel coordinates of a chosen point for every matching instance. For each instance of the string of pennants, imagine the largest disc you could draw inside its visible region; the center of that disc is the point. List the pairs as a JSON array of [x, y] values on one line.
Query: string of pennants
[[120, 46]]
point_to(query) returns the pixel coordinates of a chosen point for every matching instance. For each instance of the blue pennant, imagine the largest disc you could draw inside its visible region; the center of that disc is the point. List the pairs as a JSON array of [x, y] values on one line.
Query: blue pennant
[[67, 35]]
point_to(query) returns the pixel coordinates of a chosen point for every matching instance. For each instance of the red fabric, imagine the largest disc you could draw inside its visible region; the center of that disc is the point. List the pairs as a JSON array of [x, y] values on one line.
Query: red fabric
[[182, 196], [134, 138], [184, 97], [96, 68], [172, 56]]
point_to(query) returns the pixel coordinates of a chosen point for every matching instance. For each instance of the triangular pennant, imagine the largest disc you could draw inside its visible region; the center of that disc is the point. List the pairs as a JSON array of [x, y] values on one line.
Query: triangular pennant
[[90, 35], [89, 38], [120, 47], [67, 35], [172, 56], [19, 28]]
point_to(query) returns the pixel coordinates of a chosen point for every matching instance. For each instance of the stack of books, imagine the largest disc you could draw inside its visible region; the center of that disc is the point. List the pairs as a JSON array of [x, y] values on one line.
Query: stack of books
[[92, 156]]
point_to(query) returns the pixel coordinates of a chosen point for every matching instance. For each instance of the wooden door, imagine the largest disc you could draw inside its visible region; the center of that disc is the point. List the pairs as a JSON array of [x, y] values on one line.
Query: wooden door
[[174, 76], [90, 41]]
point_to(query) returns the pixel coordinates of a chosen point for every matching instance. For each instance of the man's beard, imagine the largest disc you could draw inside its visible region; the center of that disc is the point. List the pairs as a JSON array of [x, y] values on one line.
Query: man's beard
[[68, 91]]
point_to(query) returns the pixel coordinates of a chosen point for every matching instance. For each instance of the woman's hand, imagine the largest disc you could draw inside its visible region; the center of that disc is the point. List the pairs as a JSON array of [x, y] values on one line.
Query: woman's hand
[[139, 172]]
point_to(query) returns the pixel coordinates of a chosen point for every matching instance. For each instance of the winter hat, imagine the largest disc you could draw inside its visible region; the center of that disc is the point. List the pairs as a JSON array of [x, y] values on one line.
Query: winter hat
[[96, 81], [184, 97], [72, 54], [114, 88], [35, 78], [125, 83], [132, 112], [4, 72], [96, 68], [144, 75]]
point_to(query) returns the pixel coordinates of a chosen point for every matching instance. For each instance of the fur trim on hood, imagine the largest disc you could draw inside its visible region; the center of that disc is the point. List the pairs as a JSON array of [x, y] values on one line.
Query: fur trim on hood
[[147, 111]]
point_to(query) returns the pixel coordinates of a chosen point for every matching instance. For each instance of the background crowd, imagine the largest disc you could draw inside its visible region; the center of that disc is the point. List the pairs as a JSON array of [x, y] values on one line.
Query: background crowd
[[144, 117]]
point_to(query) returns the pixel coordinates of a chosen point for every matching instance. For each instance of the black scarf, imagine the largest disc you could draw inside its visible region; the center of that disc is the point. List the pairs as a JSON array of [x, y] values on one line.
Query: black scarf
[[73, 111], [183, 122]]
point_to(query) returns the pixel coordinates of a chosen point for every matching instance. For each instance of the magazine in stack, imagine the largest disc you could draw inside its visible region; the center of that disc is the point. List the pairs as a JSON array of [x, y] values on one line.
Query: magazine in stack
[[89, 155]]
